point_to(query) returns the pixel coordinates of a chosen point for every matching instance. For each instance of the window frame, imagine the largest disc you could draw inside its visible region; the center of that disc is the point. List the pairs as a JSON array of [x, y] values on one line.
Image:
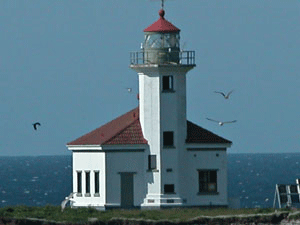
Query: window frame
[[168, 141], [152, 162], [167, 186], [161, 40], [208, 183], [168, 83], [97, 183], [79, 183], [87, 183]]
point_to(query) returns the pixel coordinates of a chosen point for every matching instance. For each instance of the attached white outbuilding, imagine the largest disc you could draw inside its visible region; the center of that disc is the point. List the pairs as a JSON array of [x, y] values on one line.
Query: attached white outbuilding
[[152, 156]]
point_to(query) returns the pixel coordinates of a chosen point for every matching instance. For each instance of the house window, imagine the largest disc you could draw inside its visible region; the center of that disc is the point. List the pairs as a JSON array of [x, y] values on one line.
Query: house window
[[168, 139], [169, 189], [97, 183], [207, 181], [151, 162], [167, 83], [87, 183], [79, 182]]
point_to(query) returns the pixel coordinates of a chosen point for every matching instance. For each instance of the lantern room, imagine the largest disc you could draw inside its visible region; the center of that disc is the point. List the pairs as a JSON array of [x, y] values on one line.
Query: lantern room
[[162, 34], [161, 44]]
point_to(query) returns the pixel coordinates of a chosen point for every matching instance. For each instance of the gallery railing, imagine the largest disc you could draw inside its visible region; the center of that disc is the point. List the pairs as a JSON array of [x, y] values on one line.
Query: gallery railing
[[157, 57]]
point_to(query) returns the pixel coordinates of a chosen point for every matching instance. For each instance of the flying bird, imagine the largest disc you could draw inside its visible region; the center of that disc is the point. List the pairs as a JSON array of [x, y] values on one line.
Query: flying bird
[[220, 122], [226, 96], [67, 199], [129, 90], [35, 125]]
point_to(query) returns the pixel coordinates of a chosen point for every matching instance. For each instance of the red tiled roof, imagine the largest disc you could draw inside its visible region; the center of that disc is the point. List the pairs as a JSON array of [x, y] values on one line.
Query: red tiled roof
[[197, 134], [125, 129], [131, 135], [162, 25]]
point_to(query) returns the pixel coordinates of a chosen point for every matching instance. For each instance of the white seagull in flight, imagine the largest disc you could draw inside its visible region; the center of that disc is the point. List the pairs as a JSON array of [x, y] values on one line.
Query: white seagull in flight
[[224, 95], [220, 122]]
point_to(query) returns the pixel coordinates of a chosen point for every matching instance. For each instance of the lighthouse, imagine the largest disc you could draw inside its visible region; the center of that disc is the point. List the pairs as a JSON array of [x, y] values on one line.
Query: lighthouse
[[162, 70], [152, 156]]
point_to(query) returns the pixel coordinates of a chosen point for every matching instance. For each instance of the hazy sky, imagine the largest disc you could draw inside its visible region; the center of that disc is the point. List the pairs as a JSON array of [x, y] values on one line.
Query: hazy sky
[[65, 63]]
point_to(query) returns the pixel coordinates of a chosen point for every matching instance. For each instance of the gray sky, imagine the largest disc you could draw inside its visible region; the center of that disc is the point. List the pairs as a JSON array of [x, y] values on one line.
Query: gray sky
[[65, 63]]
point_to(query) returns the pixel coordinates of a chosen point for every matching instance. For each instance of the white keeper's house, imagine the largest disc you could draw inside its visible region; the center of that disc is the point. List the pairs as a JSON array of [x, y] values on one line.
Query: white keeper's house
[[152, 156]]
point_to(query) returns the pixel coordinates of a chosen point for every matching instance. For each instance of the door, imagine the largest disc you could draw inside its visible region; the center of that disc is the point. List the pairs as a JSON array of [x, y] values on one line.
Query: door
[[126, 190]]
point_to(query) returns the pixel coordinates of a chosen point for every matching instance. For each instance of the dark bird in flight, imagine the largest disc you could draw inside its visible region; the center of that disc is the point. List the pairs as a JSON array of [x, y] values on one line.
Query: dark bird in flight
[[35, 125], [224, 95], [220, 122]]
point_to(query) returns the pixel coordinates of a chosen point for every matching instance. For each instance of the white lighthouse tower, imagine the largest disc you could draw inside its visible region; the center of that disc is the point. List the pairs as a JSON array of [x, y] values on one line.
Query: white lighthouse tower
[[162, 69]]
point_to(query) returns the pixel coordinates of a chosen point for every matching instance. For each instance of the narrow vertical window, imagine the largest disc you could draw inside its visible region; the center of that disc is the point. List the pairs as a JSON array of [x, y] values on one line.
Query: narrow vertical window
[[207, 181], [79, 182], [87, 183], [97, 183], [151, 162], [167, 83], [168, 139]]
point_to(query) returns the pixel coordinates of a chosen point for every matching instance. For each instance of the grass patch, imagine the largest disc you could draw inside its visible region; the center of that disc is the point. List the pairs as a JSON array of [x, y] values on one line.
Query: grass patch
[[81, 215]]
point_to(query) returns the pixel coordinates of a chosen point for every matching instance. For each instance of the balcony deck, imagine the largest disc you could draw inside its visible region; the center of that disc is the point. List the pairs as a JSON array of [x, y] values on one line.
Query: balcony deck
[[142, 58]]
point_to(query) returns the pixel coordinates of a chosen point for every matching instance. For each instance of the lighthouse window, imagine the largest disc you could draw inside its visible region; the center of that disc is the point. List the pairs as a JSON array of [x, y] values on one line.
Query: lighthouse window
[[79, 183], [168, 139], [172, 40], [207, 181], [87, 183], [161, 40], [169, 189], [151, 162], [154, 41], [167, 83], [97, 183]]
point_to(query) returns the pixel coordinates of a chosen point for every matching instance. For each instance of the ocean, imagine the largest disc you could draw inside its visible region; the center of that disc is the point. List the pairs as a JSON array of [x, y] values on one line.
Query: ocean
[[42, 180]]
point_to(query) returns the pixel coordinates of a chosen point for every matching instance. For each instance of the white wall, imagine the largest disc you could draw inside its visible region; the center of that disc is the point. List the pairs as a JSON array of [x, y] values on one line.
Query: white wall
[[89, 161], [173, 118], [163, 111], [149, 88], [204, 159], [117, 162]]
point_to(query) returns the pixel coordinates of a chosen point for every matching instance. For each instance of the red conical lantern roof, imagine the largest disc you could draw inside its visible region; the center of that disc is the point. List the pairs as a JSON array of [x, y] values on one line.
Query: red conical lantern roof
[[162, 25]]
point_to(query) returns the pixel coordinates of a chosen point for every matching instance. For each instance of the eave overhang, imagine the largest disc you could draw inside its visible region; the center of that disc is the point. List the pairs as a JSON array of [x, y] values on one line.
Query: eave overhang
[[208, 146], [107, 148]]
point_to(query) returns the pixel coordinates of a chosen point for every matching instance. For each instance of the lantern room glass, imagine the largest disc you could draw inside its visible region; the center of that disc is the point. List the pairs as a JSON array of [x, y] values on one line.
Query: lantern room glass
[[162, 40]]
